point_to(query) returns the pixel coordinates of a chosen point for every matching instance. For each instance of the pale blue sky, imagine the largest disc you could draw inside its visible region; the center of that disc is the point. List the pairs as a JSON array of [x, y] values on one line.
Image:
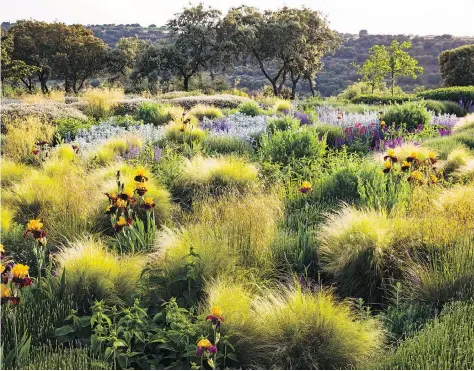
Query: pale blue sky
[[421, 17]]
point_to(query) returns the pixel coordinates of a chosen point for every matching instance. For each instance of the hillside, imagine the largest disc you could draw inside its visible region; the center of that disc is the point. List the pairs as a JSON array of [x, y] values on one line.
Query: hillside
[[340, 69]]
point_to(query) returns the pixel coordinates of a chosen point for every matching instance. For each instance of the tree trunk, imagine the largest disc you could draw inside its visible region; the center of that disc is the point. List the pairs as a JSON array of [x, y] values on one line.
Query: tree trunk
[[44, 87], [294, 83], [67, 85], [310, 80], [186, 83], [393, 81], [275, 88]]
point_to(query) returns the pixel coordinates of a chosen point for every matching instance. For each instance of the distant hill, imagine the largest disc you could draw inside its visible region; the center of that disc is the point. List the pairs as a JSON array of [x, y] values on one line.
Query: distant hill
[[339, 70]]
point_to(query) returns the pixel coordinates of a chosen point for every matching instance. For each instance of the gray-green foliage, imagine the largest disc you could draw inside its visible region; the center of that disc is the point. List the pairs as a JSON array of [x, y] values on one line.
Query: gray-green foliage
[[446, 343], [61, 358]]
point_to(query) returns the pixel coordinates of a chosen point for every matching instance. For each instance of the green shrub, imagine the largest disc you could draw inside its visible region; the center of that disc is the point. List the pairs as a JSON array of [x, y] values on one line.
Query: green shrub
[[184, 134], [67, 128], [288, 328], [445, 107], [225, 145], [94, 273], [250, 108], [231, 234], [332, 133], [61, 358], [453, 94], [411, 114], [282, 106], [39, 314], [382, 99], [443, 146], [446, 343], [457, 66], [285, 146], [158, 114], [221, 101], [282, 124], [456, 158], [201, 110], [360, 250], [215, 175], [448, 274]]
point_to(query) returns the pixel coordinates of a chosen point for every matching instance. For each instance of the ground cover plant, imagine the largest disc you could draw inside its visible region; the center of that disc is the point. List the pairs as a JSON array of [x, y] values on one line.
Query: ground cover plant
[[242, 230]]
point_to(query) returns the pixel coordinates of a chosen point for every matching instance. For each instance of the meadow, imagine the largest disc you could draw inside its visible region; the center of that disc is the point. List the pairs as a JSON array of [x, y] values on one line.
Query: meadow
[[223, 231]]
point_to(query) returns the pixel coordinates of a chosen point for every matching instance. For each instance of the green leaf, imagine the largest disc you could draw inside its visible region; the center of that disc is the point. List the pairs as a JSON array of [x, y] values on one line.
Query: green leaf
[[62, 331]]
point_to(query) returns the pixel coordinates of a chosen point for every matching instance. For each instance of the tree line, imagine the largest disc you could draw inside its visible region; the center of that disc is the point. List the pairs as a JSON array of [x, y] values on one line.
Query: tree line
[[286, 45]]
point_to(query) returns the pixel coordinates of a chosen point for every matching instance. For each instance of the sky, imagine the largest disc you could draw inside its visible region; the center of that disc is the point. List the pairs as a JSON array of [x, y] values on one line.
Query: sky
[[417, 17]]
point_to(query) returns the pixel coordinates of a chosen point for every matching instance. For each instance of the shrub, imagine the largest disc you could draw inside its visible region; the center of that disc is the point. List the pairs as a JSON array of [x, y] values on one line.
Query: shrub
[[302, 330], [284, 146], [46, 112], [129, 106], [184, 134], [445, 107], [39, 314], [225, 145], [463, 94], [444, 145], [61, 358], [457, 65], [158, 114], [67, 128], [411, 114], [457, 205], [21, 136], [201, 110], [382, 99], [113, 148], [61, 194], [282, 124], [361, 249], [94, 273], [288, 328], [446, 274], [220, 101], [12, 172], [334, 134], [216, 175], [250, 108], [456, 159], [100, 101], [227, 234], [282, 106], [446, 343]]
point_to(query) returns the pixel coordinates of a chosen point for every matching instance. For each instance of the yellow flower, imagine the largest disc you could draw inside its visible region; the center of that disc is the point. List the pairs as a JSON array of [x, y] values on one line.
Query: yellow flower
[[431, 155], [405, 163], [416, 175], [4, 291], [391, 152], [128, 191], [122, 222], [35, 225], [141, 171], [414, 155], [20, 271], [108, 208], [434, 179], [120, 203], [148, 201], [2, 248], [204, 343], [2, 268], [216, 311], [306, 184], [387, 164], [383, 123]]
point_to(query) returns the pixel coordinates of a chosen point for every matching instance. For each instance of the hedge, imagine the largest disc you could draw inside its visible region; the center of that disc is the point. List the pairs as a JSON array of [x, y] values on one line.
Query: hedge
[[382, 99], [453, 94]]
